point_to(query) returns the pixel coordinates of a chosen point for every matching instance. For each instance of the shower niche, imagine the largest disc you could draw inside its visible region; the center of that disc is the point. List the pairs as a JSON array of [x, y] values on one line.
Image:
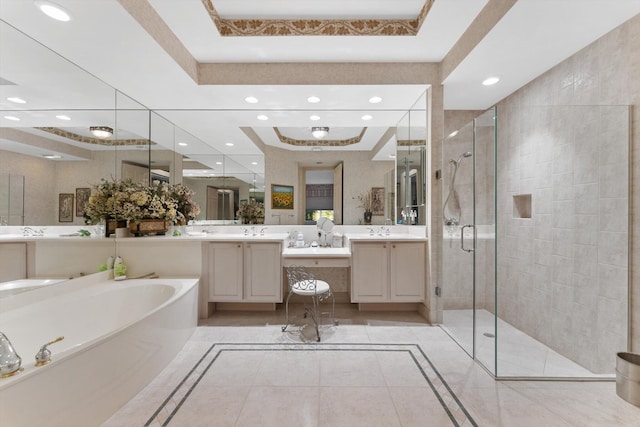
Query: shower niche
[[522, 206]]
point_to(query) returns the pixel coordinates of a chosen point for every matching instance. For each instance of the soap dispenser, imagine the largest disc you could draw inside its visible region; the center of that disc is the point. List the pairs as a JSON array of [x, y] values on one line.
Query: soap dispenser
[[300, 241], [119, 269]]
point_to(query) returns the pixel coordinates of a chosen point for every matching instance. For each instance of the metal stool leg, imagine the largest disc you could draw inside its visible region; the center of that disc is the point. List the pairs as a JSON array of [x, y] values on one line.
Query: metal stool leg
[[286, 308]]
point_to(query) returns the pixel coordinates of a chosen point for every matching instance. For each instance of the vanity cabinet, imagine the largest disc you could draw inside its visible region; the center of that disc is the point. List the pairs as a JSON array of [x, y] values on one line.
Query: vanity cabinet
[[388, 271], [245, 272]]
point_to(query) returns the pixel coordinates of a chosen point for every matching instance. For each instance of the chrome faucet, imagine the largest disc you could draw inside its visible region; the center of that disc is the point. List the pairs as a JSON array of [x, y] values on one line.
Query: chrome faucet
[[31, 232], [262, 231], [43, 356], [10, 362], [371, 232], [245, 230]]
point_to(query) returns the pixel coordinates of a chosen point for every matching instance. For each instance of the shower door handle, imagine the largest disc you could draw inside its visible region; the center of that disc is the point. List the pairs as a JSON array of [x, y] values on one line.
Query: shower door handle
[[462, 238]]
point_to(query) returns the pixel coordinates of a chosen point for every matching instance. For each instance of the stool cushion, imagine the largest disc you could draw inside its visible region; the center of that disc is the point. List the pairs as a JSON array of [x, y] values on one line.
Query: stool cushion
[[308, 289]]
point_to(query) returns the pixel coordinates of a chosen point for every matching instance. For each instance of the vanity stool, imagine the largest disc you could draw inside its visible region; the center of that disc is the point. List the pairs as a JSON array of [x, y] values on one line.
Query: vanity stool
[[303, 283]]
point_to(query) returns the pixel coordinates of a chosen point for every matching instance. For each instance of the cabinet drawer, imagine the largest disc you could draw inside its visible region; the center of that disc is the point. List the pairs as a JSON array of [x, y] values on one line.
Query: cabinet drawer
[[317, 262]]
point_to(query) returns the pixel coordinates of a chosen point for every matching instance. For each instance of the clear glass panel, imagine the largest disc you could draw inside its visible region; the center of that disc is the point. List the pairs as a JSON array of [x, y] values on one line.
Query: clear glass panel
[[563, 241], [457, 264], [485, 223]]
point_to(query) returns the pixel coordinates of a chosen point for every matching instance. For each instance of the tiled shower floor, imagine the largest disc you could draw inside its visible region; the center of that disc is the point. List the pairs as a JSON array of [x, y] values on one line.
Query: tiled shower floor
[[519, 355]]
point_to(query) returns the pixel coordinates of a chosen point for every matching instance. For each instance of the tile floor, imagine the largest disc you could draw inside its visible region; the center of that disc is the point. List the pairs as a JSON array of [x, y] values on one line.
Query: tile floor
[[373, 369]]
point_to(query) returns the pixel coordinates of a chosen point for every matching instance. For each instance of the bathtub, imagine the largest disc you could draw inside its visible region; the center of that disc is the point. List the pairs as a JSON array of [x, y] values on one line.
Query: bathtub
[[21, 285], [118, 337]]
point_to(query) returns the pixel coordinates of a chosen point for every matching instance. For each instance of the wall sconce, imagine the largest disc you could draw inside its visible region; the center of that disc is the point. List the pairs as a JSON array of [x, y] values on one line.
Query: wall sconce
[[101, 131], [319, 132]]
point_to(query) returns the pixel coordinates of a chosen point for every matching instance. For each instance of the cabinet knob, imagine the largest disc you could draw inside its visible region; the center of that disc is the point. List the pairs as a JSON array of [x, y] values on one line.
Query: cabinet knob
[[384, 246], [394, 246], [239, 245], [317, 262]]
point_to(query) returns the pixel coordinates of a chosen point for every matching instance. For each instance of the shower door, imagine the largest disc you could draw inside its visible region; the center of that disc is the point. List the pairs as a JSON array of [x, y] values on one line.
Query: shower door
[[468, 244]]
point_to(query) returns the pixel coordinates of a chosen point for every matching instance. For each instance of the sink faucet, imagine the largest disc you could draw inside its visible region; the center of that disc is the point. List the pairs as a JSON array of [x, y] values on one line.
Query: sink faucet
[[30, 232], [371, 232], [262, 231], [245, 230]]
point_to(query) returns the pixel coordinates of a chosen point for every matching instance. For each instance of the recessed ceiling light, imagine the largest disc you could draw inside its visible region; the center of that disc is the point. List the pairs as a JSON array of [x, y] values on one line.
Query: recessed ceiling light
[[16, 100], [229, 144], [254, 163], [452, 134], [367, 117], [314, 117], [251, 99], [101, 131], [375, 100], [182, 144], [218, 163], [53, 10], [14, 118], [263, 117], [63, 117], [313, 99], [491, 81], [51, 156]]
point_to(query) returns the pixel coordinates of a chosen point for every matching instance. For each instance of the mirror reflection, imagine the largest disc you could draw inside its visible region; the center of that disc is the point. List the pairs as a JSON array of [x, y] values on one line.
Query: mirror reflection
[[222, 154]]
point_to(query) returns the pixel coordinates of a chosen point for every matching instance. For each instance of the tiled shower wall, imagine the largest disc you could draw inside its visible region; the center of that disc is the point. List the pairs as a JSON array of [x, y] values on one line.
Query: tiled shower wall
[[606, 73], [562, 273]]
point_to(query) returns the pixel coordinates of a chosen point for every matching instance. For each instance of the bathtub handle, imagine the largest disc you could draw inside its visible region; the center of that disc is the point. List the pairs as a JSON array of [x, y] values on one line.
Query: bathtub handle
[[462, 238], [44, 354]]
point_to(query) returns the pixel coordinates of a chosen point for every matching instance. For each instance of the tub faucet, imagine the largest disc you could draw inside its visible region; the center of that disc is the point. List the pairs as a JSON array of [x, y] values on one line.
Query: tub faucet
[[43, 356], [10, 362]]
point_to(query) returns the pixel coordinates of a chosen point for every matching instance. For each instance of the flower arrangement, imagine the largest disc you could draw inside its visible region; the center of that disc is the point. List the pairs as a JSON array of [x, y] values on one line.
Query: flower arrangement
[[187, 208], [366, 201], [251, 210], [127, 200]]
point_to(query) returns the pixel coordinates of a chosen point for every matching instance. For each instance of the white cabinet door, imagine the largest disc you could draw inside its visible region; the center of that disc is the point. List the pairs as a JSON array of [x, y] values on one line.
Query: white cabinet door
[[225, 272], [263, 266], [408, 271], [369, 272], [13, 261]]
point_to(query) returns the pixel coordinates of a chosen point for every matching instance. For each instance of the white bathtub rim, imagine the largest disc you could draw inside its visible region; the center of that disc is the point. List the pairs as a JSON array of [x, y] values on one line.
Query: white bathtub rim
[[28, 363]]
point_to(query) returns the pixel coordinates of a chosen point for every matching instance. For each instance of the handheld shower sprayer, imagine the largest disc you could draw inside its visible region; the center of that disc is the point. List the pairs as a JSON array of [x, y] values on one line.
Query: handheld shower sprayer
[[453, 221]]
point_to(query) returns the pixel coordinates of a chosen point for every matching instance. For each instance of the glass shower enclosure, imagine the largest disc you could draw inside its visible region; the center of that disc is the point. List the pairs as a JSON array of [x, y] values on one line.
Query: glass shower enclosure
[[535, 246]]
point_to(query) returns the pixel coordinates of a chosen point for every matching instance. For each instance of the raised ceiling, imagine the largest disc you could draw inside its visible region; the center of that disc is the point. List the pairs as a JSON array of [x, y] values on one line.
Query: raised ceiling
[[108, 39]]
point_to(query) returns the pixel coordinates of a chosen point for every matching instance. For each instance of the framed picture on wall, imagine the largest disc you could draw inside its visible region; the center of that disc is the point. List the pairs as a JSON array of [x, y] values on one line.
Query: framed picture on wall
[[82, 198], [377, 200], [281, 196], [65, 207]]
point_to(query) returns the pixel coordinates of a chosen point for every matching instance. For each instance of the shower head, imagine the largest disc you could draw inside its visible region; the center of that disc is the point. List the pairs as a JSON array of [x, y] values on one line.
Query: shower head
[[465, 154]]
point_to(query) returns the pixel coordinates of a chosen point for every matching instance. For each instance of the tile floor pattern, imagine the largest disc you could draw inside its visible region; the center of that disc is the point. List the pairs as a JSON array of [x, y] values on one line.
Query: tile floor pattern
[[371, 370]]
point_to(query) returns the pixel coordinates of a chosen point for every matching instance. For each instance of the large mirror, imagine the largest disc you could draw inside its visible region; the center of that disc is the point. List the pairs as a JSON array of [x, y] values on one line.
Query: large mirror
[[229, 156], [411, 163]]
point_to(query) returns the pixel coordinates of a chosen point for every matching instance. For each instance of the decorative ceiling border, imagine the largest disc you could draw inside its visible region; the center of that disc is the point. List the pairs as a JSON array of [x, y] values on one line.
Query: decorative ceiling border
[[95, 141], [317, 27], [319, 142]]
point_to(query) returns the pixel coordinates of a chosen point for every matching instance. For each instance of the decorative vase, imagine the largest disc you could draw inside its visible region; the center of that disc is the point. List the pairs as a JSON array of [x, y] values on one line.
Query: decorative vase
[[112, 224], [149, 227], [367, 217]]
